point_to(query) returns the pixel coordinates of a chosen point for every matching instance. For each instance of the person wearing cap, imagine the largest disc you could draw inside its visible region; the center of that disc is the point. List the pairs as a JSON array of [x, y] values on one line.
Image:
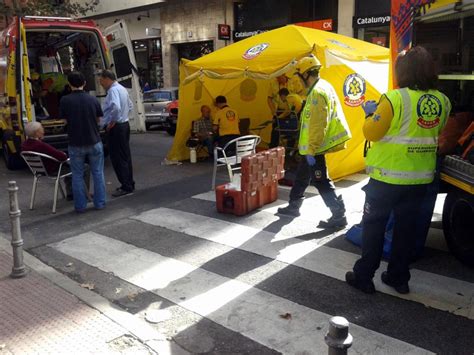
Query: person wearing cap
[[323, 129]]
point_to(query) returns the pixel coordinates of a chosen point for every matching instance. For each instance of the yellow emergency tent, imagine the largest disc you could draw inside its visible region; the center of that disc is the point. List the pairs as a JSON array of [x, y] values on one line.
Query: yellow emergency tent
[[244, 70]]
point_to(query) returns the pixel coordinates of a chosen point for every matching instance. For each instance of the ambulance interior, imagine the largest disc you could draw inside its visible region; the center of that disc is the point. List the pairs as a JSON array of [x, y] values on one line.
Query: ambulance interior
[[54, 54], [450, 38]]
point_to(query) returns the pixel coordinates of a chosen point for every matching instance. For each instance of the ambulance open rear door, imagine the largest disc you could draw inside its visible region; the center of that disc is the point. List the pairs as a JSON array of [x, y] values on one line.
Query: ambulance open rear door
[[123, 63]]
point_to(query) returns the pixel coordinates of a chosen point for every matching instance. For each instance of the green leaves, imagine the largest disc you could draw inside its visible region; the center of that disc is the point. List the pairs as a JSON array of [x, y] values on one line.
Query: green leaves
[[62, 8]]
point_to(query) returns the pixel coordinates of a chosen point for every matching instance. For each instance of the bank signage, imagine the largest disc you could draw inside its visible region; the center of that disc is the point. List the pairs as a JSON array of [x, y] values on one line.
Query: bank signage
[[371, 21], [223, 32], [238, 35]]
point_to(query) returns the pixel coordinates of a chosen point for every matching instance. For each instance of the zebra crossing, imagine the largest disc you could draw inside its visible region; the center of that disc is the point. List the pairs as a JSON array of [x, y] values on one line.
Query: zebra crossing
[[276, 280]]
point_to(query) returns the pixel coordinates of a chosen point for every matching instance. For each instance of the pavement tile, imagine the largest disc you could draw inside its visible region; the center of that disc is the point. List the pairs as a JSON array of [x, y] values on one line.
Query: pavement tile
[[37, 317]]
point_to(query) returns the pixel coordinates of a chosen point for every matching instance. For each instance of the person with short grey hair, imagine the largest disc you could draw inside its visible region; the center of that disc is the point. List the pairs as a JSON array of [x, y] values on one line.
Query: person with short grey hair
[[34, 132]]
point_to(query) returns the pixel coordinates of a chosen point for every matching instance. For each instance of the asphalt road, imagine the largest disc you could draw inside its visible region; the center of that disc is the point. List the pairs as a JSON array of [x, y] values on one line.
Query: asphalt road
[[243, 285]]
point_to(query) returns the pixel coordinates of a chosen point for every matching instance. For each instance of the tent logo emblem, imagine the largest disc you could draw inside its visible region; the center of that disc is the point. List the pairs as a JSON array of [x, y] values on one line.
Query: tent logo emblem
[[354, 90], [253, 52], [428, 110]]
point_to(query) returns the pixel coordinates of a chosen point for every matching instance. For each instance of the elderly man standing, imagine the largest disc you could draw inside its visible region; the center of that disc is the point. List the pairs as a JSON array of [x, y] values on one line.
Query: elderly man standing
[[117, 107]]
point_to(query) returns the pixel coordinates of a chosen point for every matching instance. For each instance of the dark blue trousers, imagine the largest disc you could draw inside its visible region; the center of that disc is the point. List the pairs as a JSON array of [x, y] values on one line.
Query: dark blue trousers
[[381, 199]]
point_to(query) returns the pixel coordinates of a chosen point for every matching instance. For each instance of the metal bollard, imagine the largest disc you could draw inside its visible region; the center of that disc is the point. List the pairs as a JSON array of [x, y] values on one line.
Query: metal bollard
[[19, 269], [338, 338]]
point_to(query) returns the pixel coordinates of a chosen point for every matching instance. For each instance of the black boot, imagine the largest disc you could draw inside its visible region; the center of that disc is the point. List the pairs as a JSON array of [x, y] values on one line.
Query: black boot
[[293, 208], [338, 218]]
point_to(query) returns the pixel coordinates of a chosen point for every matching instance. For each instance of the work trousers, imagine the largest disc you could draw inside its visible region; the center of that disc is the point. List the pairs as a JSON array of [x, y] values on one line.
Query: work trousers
[[317, 175], [119, 148], [381, 199]]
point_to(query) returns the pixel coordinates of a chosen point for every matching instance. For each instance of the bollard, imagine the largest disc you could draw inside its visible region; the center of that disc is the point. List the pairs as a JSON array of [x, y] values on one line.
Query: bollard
[[19, 269], [338, 338]]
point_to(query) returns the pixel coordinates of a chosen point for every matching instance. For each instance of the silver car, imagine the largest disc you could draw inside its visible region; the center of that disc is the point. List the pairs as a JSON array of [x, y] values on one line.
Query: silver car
[[155, 102]]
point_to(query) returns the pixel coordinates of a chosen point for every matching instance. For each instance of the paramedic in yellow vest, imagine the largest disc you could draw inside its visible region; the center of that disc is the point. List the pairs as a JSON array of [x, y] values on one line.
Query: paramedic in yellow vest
[[323, 130], [226, 122], [404, 128]]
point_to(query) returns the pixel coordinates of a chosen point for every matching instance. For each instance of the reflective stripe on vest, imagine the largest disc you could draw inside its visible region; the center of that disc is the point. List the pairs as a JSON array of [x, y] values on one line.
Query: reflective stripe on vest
[[400, 174], [410, 140]]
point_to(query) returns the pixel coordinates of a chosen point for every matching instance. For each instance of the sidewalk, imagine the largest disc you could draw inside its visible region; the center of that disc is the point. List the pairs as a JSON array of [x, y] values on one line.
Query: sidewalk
[[39, 317]]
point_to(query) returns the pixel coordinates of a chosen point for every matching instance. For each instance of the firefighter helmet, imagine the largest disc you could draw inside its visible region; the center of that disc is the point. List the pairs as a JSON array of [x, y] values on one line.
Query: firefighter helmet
[[308, 63]]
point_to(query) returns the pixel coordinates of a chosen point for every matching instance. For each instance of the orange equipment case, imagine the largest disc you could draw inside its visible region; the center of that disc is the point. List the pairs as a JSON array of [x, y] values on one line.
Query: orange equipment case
[[259, 183]]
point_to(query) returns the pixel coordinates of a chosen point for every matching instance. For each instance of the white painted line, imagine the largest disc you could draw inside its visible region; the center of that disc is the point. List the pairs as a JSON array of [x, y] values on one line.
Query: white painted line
[[430, 289], [230, 303]]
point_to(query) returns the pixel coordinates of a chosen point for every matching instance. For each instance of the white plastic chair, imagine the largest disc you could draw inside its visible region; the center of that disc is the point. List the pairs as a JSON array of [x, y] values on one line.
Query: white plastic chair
[[34, 160], [244, 146]]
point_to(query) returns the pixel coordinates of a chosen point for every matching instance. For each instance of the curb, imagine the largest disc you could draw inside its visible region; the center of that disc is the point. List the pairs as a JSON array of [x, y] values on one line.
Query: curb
[[154, 340]]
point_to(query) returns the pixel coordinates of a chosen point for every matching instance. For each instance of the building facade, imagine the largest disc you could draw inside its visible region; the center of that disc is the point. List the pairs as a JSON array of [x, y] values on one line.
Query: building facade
[[165, 31], [371, 21]]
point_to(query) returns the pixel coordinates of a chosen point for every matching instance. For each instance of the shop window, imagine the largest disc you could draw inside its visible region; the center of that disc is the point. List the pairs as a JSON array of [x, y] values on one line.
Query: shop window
[[149, 62], [194, 50]]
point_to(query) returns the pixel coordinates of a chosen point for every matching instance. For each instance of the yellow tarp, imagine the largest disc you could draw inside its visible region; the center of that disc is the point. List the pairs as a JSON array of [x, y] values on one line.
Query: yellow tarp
[[243, 71]]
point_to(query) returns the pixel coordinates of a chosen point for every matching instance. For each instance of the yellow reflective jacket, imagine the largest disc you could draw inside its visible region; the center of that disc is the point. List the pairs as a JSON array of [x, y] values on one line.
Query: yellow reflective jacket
[[323, 125]]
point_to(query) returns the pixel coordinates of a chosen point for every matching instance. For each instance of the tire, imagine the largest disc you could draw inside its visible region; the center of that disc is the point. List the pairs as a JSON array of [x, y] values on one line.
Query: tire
[[147, 126], [12, 161], [458, 225]]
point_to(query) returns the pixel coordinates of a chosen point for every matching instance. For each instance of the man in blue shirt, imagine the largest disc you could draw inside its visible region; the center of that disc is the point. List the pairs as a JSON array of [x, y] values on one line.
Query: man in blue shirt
[[117, 107]]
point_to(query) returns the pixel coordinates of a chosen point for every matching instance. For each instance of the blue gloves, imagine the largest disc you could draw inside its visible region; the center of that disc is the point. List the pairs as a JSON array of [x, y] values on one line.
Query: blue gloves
[[310, 160], [369, 107]]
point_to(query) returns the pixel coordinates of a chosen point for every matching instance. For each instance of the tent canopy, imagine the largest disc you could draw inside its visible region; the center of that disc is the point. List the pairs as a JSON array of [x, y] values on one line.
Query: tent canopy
[[244, 70], [276, 49]]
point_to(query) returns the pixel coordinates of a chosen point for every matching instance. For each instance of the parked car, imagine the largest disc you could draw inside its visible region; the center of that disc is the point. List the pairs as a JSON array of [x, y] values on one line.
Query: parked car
[[156, 102], [172, 109]]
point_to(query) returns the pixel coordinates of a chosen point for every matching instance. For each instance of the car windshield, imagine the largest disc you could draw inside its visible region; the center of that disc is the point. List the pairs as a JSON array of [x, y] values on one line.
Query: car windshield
[[157, 96]]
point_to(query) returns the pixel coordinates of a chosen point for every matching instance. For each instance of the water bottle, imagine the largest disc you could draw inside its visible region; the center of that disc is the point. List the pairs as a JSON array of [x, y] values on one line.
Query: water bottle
[[192, 155]]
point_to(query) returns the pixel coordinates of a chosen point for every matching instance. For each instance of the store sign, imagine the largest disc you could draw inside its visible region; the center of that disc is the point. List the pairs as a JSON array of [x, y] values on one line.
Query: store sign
[[325, 25], [238, 35], [223, 32], [371, 21]]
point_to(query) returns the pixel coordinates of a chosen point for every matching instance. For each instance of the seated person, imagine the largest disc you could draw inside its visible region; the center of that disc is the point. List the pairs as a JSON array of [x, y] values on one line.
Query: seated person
[[226, 122], [34, 132], [202, 130]]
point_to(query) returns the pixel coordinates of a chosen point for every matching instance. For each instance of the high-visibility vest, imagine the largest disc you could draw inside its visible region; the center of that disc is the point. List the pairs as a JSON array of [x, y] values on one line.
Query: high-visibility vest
[[334, 124], [406, 155]]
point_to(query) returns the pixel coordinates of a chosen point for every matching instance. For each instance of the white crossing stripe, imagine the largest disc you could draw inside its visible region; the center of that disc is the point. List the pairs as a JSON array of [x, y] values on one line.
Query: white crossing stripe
[[233, 304], [430, 289]]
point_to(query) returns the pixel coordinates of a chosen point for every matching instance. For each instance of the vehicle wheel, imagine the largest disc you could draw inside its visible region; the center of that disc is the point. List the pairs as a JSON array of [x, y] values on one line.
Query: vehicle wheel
[[171, 131], [12, 161], [147, 126], [458, 224]]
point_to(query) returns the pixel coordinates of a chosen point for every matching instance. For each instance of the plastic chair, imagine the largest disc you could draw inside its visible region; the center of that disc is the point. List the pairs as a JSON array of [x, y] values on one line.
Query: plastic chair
[[244, 146], [34, 160]]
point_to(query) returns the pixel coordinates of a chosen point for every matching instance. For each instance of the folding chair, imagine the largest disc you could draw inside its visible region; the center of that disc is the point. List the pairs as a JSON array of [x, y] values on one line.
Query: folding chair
[[34, 160], [244, 146]]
